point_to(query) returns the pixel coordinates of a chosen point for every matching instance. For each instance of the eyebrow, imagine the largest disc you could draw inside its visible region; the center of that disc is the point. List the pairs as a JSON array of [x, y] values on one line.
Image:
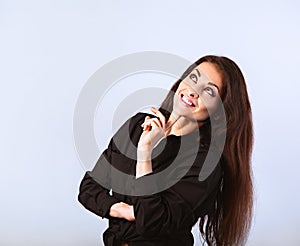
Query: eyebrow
[[198, 72], [210, 83]]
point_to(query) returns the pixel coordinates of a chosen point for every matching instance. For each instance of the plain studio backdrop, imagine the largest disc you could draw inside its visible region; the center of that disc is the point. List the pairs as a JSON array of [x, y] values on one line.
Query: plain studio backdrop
[[49, 49]]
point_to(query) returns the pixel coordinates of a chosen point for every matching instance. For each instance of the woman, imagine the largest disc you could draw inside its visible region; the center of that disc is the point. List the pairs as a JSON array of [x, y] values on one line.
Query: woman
[[190, 113]]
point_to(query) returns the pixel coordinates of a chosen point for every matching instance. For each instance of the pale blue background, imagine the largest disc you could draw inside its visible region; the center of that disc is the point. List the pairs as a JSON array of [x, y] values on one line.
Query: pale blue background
[[48, 50]]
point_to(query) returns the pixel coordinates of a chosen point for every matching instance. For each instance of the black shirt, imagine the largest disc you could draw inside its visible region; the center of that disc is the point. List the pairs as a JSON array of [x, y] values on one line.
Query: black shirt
[[162, 218]]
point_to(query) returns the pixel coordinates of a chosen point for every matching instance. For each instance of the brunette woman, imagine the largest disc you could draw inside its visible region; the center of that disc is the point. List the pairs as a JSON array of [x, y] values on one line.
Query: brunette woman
[[179, 135]]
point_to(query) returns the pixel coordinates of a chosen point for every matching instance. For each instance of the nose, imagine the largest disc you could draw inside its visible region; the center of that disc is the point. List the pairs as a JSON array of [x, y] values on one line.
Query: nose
[[192, 93]]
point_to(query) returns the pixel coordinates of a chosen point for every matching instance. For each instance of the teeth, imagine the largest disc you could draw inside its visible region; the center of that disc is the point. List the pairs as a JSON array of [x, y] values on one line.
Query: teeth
[[186, 100]]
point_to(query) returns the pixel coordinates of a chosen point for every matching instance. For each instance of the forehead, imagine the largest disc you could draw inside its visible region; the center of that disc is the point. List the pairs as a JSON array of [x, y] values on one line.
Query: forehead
[[211, 72]]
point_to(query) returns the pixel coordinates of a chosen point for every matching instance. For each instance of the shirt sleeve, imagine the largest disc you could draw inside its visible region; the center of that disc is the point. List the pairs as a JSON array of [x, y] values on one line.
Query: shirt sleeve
[[92, 195], [173, 210], [95, 185]]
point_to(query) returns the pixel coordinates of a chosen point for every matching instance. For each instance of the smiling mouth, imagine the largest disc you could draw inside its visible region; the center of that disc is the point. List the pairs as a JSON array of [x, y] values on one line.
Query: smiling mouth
[[186, 101]]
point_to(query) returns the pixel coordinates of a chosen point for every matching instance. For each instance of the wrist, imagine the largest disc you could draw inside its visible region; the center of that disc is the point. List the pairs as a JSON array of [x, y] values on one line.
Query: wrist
[[144, 154], [114, 210], [146, 147]]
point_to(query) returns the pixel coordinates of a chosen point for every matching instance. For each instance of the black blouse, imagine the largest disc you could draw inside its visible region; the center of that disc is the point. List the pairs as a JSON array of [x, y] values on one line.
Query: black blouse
[[162, 218]]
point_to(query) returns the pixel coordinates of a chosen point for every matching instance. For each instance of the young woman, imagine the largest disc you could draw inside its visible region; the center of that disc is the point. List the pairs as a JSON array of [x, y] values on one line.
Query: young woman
[[179, 135]]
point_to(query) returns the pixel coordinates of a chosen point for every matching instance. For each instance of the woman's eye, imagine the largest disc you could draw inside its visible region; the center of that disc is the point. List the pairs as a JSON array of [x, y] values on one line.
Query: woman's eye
[[210, 91], [193, 77]]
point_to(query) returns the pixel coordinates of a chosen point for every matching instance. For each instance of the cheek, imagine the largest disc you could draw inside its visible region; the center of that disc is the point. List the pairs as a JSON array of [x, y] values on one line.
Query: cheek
[[206, 109], [207, 102], [181, 86]]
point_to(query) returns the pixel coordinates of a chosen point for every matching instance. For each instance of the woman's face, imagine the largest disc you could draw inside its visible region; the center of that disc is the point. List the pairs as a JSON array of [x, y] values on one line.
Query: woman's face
[[198, 92]]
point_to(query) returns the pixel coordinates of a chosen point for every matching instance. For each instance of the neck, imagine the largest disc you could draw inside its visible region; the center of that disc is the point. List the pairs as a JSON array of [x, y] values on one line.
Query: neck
[[180, 125]]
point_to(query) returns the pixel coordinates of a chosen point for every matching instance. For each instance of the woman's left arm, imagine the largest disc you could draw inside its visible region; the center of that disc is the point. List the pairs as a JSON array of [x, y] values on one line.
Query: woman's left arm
[[168, 211], [172, 210]]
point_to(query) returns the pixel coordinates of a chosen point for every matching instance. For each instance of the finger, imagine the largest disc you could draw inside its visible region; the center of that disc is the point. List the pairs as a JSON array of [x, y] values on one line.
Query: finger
[[157, 122], [160, 115], [146, 122], [173, 121], [149, 122], [147, 126], [147, 118]]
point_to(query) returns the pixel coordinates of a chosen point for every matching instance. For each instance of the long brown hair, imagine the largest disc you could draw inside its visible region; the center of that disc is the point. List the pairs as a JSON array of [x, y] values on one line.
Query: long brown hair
[[228, 222]]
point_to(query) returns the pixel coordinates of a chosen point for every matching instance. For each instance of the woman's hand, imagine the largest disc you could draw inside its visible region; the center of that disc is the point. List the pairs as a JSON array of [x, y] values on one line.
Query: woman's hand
[[154, 130], [122, 210]]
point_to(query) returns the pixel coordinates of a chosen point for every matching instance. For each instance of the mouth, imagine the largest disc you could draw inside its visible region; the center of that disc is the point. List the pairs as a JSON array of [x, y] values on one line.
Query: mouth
[[187, 101]]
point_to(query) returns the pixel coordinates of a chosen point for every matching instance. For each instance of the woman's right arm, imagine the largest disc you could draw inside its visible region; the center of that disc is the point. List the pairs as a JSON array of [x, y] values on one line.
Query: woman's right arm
[[97, 199], [93, 196], [95, 185]]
